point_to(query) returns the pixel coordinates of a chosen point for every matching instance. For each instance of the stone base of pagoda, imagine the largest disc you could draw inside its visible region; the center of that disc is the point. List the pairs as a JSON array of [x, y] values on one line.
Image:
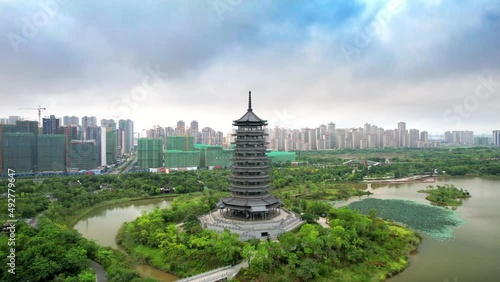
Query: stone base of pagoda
[[272, 227]]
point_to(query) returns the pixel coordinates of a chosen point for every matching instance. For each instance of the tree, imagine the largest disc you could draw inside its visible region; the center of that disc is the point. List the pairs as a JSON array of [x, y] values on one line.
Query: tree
[[288, 241], [75, 260], [104, 257], [308, 270], [309, 217], [318, 207], [248, 252]]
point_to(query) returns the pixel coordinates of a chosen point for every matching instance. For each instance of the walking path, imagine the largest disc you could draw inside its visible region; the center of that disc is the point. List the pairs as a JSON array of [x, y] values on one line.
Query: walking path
[[226, 272], [100, 273]]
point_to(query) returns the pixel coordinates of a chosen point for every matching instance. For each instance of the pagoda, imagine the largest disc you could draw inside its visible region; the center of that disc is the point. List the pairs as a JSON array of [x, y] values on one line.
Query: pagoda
[[250, 180]]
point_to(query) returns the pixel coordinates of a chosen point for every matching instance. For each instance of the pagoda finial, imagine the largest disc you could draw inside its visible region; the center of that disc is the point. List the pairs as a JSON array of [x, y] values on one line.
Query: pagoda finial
[[249, 101]]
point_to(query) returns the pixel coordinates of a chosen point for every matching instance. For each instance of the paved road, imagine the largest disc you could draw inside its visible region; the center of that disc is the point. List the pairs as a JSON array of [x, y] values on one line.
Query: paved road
[[129, 166], [322, 221], [231, 273], [100, 273]]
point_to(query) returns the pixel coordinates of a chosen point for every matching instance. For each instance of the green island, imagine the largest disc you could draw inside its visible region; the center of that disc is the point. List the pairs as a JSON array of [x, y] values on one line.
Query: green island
[[355, 247], [445, 195]]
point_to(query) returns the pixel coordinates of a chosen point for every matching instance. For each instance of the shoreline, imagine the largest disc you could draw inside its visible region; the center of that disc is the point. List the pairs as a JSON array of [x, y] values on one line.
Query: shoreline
[[411, 179], [73, 220]]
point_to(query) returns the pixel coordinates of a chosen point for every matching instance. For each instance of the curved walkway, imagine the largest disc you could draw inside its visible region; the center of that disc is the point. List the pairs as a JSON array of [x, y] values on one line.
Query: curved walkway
[[100, 273], [227, 272]]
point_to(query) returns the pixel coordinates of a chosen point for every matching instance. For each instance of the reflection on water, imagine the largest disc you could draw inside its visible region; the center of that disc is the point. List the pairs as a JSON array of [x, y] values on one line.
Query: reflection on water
[[148, 271], [102, 225]]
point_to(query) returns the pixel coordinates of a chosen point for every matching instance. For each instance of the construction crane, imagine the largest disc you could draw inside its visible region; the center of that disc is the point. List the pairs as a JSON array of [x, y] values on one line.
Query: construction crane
[[39, 113]]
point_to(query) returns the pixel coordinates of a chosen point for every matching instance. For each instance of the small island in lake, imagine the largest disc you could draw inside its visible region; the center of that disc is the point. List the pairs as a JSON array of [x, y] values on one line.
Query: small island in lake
[[445, 195]]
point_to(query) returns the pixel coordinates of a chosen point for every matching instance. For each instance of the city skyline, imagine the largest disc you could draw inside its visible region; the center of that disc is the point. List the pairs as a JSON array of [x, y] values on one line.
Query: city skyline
[[188, 126], [307, 63]]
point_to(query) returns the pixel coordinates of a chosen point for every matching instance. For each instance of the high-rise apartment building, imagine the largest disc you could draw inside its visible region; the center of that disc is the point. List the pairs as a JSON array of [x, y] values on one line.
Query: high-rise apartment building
[[496, 137], [108, 123], [424, 136], [50, 125], [149, 152], [89, 121], [70, 120], [19, 152], [51, 153], [83, 155], [414, 136], [331, 134], [459, 137], [401, 139], [127, 138], [180, 130], [14, 119]]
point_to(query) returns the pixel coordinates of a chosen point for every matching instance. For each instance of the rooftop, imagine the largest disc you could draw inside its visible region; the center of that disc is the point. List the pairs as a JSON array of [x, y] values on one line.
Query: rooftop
[[250, 117]]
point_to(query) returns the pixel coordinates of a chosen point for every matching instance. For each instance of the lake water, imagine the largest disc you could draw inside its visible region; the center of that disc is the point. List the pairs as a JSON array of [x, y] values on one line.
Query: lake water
[[102, 225], [473, 254]]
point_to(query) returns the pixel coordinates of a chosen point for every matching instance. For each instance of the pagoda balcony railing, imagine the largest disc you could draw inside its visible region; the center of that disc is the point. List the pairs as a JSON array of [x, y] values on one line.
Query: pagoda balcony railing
[[241, 170], [251, 173], [250, 163], [258, 187], [250, 133], [245, 159], [250, 187], [236, 177], [251, 196], [252, 129], [249, 181], [263, 158], [250, 168], [249, 148], [251, 139], [248, 142], [260, 159], [263, 192]]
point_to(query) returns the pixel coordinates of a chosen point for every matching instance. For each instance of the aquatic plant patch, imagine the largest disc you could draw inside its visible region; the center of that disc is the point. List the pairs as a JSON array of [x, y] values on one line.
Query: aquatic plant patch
[[434, 221]]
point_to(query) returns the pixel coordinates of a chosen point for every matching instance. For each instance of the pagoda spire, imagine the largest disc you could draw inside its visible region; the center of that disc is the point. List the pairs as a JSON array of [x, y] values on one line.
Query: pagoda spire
[[249, 101]]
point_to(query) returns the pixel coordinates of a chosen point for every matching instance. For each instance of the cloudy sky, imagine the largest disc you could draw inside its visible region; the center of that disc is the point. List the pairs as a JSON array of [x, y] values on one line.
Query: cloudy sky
[[434, 64]]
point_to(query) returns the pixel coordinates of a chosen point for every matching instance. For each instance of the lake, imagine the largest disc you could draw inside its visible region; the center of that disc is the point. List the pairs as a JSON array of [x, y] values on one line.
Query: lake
[[102, 225], [473, 254]]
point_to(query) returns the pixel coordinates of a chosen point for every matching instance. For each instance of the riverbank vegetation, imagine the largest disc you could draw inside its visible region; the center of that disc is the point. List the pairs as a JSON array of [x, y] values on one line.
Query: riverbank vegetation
[[54, 252], [445, 195], [157, 239], [403, 162]]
